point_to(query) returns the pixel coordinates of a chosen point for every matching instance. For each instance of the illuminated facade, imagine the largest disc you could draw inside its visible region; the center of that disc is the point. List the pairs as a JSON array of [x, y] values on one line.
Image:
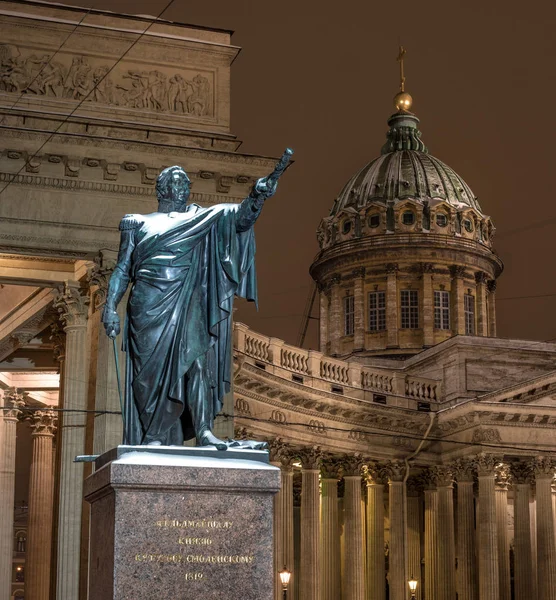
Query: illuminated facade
[[413, 442]]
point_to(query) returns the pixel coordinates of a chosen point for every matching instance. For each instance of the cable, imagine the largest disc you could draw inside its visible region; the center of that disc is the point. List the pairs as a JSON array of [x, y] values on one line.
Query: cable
[[48, 62], [88, 94], [389, 434]]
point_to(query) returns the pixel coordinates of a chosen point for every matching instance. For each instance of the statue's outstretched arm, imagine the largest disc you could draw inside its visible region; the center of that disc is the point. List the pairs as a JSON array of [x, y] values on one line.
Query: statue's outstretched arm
[[250, 209], [120, 277]]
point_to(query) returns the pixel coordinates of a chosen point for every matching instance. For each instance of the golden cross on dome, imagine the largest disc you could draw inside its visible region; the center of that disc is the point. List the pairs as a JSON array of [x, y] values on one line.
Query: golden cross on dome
[[402, 76]]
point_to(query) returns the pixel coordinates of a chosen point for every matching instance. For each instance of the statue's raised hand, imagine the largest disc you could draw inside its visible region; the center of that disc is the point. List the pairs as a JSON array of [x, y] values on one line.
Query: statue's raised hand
[[266, 187], [111, 322]]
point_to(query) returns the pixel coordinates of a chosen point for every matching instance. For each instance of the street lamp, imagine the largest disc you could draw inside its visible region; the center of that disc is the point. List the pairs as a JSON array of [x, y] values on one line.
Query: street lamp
[[412, 587], [285, 579]]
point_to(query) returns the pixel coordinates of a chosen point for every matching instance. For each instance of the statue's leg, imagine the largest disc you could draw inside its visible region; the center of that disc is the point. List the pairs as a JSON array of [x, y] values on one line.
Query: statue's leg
[[199, 402]]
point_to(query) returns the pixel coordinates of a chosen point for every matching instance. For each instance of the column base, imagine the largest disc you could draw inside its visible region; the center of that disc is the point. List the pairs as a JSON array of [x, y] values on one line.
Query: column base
[[169, 522]]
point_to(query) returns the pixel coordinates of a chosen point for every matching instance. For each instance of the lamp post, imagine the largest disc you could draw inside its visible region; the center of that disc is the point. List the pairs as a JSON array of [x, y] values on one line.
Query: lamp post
[[412, 587], [285, 579]]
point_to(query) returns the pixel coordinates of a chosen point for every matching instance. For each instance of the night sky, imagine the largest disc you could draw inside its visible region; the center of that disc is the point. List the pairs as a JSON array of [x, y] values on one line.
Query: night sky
[[320, 76]]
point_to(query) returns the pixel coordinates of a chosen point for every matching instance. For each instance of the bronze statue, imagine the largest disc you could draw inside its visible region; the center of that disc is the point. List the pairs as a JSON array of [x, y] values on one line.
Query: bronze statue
[[185, 263]]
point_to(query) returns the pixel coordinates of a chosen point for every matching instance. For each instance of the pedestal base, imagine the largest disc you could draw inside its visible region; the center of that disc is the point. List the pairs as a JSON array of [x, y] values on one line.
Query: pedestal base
[[182, 525]]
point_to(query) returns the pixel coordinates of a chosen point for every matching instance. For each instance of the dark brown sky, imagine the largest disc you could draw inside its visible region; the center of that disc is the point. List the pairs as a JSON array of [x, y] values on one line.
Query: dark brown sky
[[319, 76]]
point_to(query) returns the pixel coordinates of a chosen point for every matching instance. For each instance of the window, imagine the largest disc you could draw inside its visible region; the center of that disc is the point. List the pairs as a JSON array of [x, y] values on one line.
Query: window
[[20, 574], [349, 315], [468, 225], [346, 226], [374, 221], [377, 311], [410, 309], [441, 310], [408, 217], [441, 220], [469, 311]]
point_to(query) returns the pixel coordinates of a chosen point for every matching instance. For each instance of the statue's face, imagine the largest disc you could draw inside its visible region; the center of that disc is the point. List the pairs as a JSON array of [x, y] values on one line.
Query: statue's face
[[173, 190]]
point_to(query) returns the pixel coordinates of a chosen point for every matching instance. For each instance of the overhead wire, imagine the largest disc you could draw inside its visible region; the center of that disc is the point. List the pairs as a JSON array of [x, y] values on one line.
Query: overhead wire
[[366, 432], [74, 110]]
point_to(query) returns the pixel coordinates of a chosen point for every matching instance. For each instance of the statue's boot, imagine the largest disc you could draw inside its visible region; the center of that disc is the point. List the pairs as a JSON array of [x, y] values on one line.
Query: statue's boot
[[207, 438]]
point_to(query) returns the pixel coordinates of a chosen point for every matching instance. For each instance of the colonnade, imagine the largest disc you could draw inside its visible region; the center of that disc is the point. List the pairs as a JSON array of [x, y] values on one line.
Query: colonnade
[[365, 527]]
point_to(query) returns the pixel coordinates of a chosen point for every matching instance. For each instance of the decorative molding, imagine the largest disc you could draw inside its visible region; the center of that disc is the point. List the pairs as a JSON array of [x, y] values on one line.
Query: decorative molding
[[490, 435], [74, 78]]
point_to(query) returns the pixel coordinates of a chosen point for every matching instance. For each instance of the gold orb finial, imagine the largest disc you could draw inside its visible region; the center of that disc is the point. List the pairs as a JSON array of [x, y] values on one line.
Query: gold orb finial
[[403, 101]]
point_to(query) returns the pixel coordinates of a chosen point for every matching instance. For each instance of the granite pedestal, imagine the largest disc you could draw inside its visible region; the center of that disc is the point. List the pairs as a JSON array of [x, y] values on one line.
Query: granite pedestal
[[179, 524]]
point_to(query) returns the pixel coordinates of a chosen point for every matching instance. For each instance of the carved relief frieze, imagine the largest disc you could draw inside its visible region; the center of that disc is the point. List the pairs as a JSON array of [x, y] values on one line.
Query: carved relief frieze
[[86, 78]]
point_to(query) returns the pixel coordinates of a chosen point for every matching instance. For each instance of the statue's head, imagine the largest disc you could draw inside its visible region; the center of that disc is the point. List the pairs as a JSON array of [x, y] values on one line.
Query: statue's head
[[172, 190]]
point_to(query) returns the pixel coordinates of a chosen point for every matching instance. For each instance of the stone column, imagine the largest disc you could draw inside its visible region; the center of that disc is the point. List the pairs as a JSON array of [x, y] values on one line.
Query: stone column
[[482, 308], [431, 536], [103, 377], [492, 308], [330, 532], [466, 584], [72, 306], [376, 564], [41, 487], [58, 339], [523, 558], [335, 316], [392, 319], [544, 468], [324, 302], [397, 576], [428, 304], [414, 533], [446, 588], [14, 400], [501, 491], [310, 524], [354, 575], [458, 315], [281, 456], [359, 309], [489, 585]]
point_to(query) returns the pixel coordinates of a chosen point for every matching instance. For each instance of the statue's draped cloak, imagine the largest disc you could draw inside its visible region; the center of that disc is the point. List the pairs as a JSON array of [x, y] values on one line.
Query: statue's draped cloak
[[180, 310]]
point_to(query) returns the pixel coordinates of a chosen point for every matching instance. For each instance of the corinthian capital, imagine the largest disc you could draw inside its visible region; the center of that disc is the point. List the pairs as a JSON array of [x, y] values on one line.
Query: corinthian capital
[[351, 464], [72, 305], [14, 400], [99, 275], [310, 457], [487, 464], [521, 471], [43, 422], [544, 467], [464, 469], [280, 452]]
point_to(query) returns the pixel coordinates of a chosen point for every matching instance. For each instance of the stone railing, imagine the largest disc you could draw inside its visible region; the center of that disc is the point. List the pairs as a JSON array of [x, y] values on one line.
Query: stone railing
[[349, 378]]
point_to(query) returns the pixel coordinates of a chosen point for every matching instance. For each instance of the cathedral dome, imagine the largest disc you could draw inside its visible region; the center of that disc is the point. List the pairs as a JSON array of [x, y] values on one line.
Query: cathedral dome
[[405, 170]]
